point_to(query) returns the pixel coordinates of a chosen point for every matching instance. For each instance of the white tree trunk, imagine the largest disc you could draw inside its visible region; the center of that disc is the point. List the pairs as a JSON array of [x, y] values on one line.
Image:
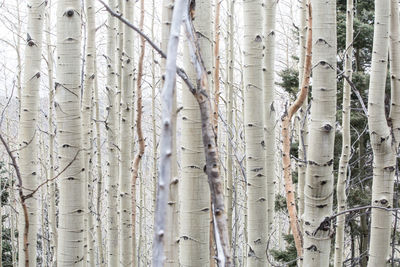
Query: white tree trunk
[[125, 143], [383, 145], [172, 235], [319, 178], [27, 139], [269, 109], [67, 102], [111, 126], [257, 202], [230, 126], [302, 113], [52, 217], [346, 139], [87, 122], [194, 189]]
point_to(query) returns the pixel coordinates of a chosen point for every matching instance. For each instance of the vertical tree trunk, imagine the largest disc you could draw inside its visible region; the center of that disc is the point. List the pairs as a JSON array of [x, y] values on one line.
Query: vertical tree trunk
[[194, 198], [87, 117], [345, 156], [230, 125], [52, 219], [171, 248], [269, 109], [27, 139], [257, 228], [111, 126], [319, 178], [67, 101], [383, 133], [139, 111], [99, 189], [125, 143], [303, 124], [166, 136]]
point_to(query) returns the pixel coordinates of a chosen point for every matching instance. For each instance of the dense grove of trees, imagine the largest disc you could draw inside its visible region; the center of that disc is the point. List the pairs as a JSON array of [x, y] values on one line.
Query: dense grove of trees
[[199, 133]]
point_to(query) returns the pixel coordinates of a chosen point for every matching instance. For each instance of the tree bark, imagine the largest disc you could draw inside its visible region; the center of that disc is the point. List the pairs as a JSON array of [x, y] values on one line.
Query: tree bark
[[139, 111], [195, 193], [346, 139], [318, 189], [257, 228], [112, 146], [286, 161], [126, 250], [269, 109], [171, 248], [27, 139], [67, 102], [383, 132]]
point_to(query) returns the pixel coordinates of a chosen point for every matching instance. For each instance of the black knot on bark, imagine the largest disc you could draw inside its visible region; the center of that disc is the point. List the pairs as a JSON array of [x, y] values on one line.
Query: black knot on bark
[[327, 127], [70, 13]]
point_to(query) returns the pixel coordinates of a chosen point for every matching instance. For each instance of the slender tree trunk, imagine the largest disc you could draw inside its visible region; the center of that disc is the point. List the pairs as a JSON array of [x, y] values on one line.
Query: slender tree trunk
[[171, 248], [139, 111], [383, 133], [303, 123], [167, 135], [99, 189], [319, 179], [230, 125], [67, 101], [111, 126], [269, 109], [345, 156], [87, 116], [125, 147], [53, 184], [29, 114], [286, 161], [257, 228]]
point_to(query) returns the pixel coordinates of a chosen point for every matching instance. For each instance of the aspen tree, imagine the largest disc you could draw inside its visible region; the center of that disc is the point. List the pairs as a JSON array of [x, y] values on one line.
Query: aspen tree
[[99, 186], [229, 111], [52, 184], [87, 121], [27, 139], [269, 109], [384, 133], [257, 228], [125, 141], [345, 156], [112, 178], [139, 112], [167, 136], [318, 188], [171, 247], [195, 192], [67, 101], [302, 113]]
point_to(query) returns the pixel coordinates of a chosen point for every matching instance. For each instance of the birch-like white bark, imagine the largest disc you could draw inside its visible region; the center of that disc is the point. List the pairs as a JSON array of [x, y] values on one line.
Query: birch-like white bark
[[125, 244], [302, 113], [318, 190], [383, 138], [269, 109], [27, 134], [257, 202], [52, 217], [167, 134], [194, 191], [67, 106], [111, 124], [171, 247], [346, 139]]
